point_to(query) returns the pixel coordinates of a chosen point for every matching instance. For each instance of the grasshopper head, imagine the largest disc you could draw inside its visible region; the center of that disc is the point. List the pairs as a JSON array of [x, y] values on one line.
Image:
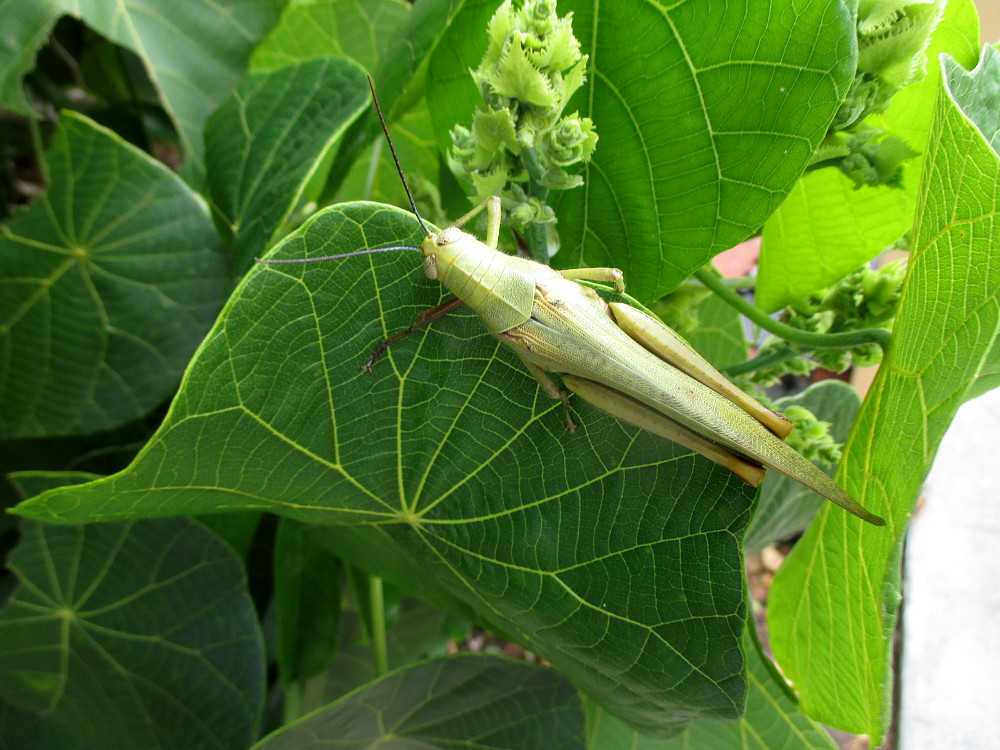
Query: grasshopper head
[[440, 248]]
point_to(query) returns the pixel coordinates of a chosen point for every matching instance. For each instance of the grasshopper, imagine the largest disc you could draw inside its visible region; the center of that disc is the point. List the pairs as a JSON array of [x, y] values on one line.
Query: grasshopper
[[612, 355]]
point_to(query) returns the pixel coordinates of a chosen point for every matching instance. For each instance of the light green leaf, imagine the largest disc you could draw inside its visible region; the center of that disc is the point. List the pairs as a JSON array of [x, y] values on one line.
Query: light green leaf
[[833, 604], [195, 52], [267, 140], [772, 721], [720, 337], [989, 375], [357, 29], [469, 701], [826, 228], [109, 282], [374, 175], [447, 471], [690, 102], [133, 635], [785, 506]]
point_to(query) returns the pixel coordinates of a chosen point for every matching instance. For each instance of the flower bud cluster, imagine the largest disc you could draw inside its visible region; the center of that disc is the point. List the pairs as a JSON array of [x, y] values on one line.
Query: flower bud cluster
[[519, 144], [892, 37], [866, 298]]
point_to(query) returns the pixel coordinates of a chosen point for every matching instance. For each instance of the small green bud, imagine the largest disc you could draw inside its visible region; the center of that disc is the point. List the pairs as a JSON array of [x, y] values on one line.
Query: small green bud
[[811, 437], [892, 37], [571, 141]]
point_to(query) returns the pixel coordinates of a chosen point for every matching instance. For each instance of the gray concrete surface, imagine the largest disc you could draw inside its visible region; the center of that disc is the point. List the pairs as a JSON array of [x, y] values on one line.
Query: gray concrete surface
[[951, 660]]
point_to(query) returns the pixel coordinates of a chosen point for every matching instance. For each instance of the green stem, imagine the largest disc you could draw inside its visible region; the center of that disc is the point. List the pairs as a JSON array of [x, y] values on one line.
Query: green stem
[[293, 702], [736, 282], [535, 235], [808, 339], [38, 143], [377, 602], [758, 363]]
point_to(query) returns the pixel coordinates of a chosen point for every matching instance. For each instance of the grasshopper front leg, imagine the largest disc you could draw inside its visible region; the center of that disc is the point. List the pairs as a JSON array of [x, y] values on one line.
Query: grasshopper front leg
[[424, 319], [608, 275]]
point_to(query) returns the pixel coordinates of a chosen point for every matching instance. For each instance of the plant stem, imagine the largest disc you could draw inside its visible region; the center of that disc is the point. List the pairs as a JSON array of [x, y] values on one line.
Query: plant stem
[[758, 363], [808, 339], [293, 701], [377, 603], [535, 235], [38, 143]]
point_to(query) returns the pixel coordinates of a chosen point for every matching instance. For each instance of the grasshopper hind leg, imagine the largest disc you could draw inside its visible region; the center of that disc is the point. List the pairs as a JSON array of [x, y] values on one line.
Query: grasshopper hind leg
[[548, 385]]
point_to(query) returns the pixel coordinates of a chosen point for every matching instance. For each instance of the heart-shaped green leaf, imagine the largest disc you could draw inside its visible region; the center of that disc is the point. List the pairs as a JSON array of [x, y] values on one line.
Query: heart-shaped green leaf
[[133, 635], [109, 280], [609, 551]]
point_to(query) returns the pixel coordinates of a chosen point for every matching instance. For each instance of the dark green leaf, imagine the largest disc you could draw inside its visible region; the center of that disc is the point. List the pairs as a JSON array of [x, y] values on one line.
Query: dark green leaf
[[307, 600], [195, 52], [448, 472], [720, 337], [785, 506], [418, 632], [266, 141], [471, 701], [109, 282], [691, 102], [133, 635], [841, 570], [22, 730]]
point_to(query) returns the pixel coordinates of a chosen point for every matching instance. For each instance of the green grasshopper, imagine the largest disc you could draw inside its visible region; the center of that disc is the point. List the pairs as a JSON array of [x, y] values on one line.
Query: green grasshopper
[[611, 355]]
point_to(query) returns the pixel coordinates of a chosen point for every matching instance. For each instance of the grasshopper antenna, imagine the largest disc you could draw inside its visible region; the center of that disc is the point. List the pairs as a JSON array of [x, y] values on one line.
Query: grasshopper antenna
[[395, 158], [339, 255]]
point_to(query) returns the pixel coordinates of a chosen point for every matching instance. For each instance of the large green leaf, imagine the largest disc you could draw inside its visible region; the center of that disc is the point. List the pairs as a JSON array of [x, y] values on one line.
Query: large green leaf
[[133, 635], [707, 115], [786, 506], [472, 701], [109, 282], [611, 552], [772, 721], [834, 600], [266, 141], [195, 51], [827, 228]]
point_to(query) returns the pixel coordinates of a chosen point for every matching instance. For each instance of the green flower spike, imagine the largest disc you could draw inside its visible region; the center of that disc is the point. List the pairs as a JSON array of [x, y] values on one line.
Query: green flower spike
[[519, 145]]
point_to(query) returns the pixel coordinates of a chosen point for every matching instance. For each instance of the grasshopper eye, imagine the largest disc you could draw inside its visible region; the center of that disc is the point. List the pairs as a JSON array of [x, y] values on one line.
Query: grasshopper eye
[[449, 235], [430, 267]]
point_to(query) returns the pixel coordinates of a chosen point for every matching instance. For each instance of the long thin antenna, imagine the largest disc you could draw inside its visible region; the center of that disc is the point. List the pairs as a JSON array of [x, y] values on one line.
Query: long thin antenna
[[395, 158], [340, 255]]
